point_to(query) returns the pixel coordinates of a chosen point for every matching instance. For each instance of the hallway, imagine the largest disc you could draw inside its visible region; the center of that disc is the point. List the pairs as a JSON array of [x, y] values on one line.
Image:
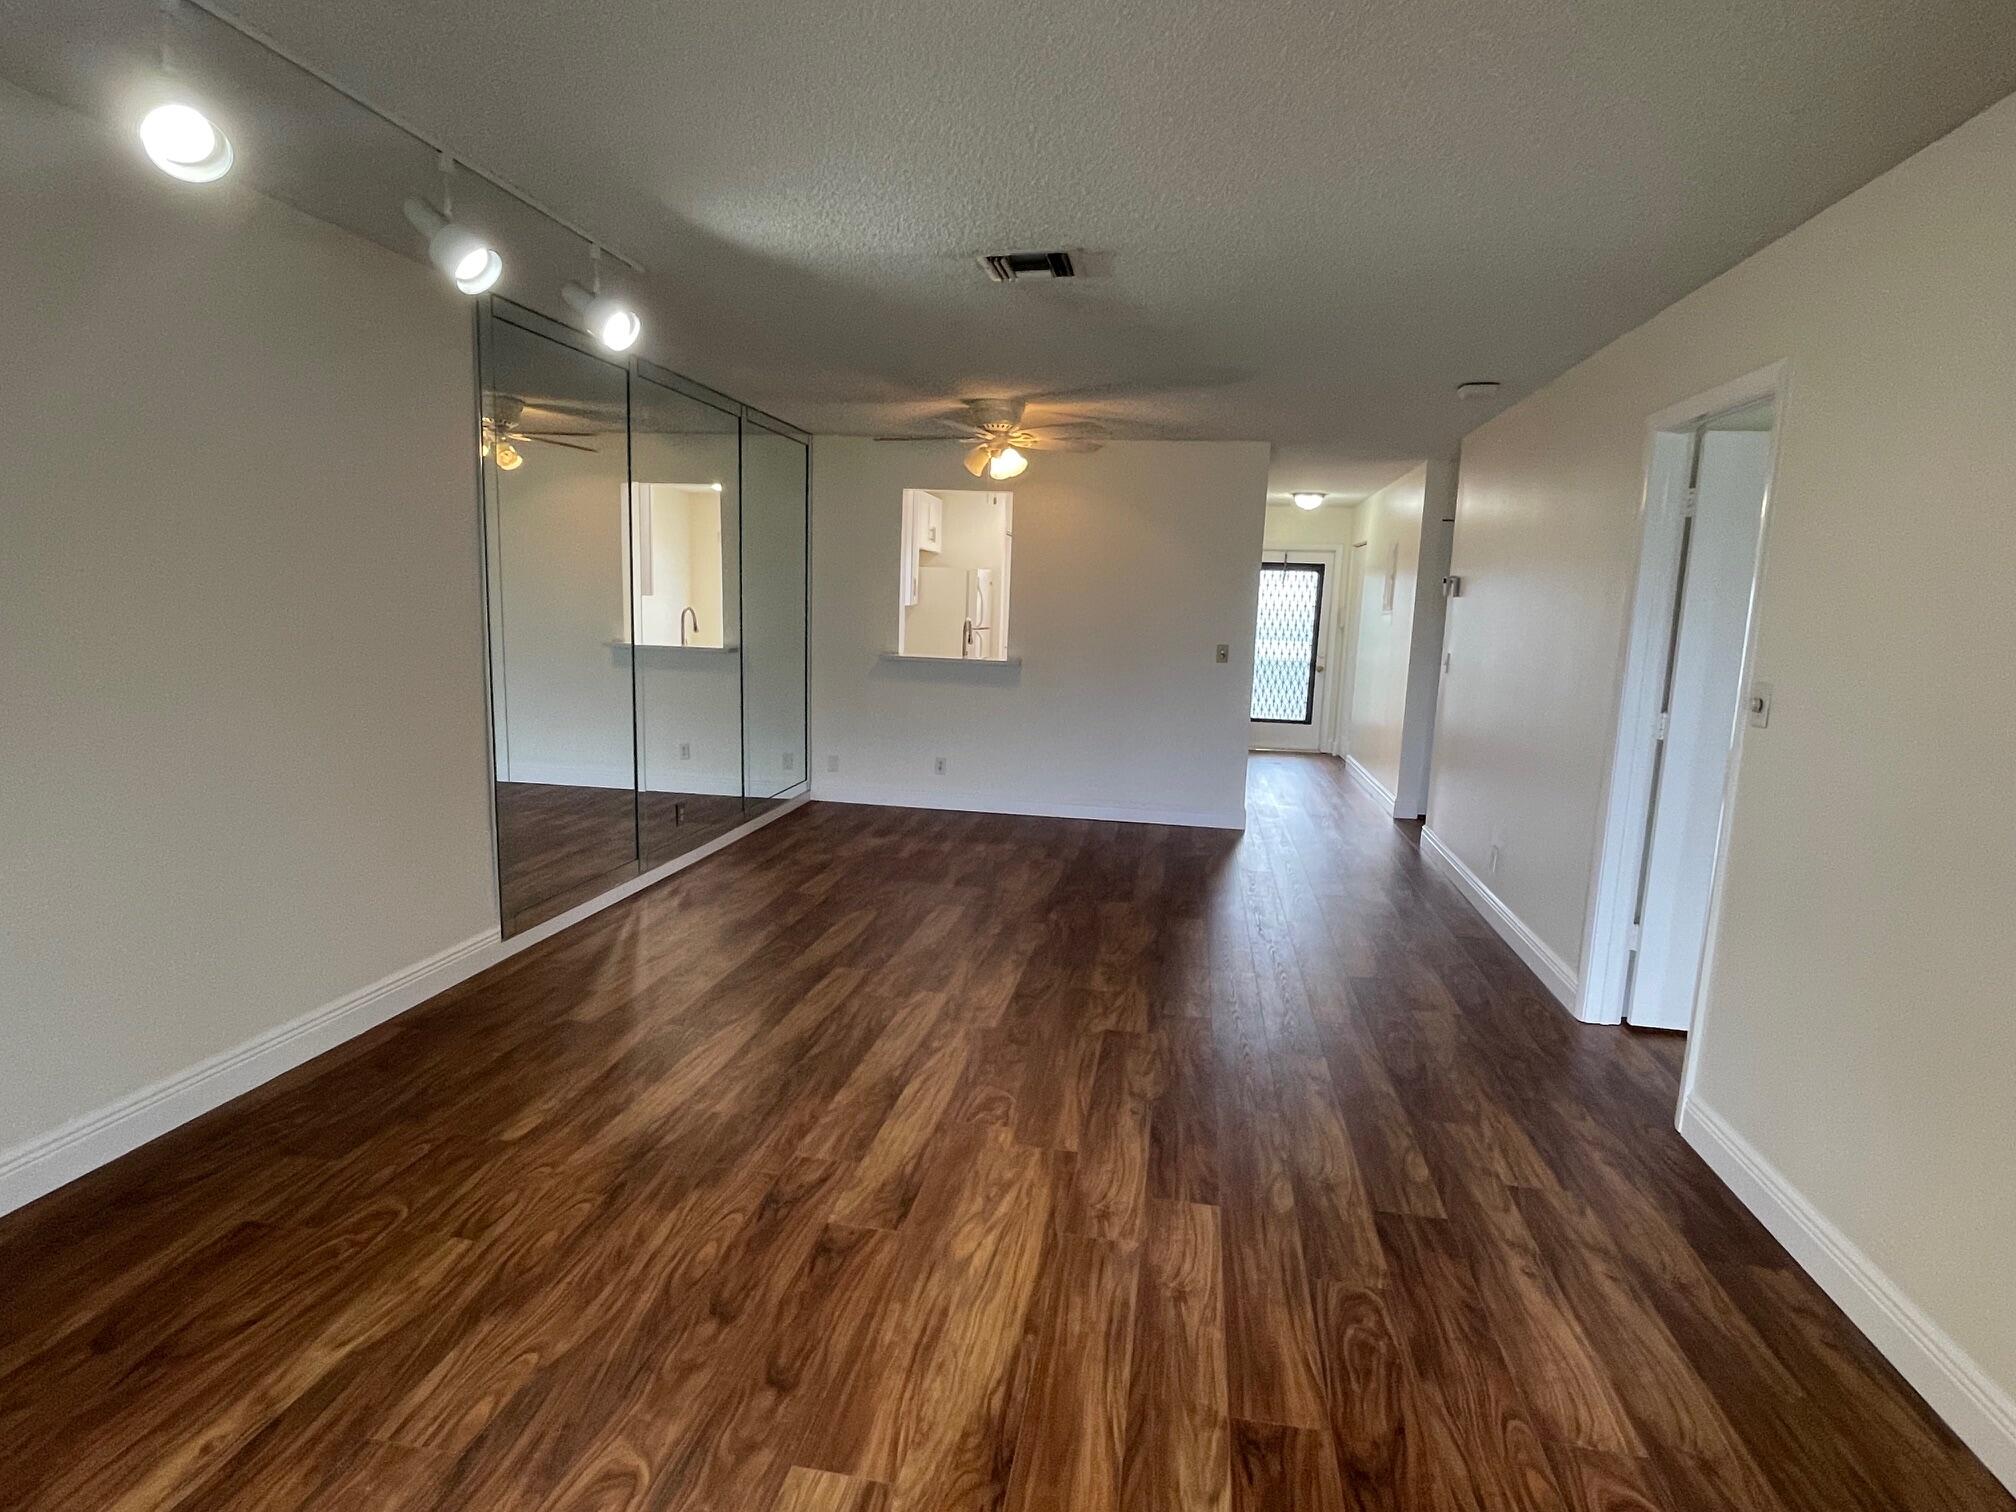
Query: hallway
[[897, 1161]]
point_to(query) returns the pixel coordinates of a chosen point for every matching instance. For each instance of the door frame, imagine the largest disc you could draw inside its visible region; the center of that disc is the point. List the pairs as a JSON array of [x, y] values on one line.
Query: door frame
[[1344, 686], [1323, 700], [1623, 837]]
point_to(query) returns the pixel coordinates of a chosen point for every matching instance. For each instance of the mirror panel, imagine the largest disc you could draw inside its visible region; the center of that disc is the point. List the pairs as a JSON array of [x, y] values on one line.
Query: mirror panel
[[554, 435], [685, 496], [774, 559]]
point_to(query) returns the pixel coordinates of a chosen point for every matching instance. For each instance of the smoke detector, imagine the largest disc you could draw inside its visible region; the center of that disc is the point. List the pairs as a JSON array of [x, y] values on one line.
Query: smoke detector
[[1007, 267]]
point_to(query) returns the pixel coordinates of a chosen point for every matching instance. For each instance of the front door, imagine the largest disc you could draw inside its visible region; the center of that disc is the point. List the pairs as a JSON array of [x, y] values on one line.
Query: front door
[[1290, 674]]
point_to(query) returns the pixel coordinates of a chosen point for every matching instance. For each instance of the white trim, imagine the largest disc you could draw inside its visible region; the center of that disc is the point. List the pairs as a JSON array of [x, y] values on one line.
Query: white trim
[[956, 801], [1619, 856], [55, 1159], [1362, 775], [1555, 974], [1980, 1411]]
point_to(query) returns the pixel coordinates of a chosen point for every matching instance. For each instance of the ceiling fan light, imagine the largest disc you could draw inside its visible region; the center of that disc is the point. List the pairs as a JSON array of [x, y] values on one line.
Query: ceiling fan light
[[508, 457], [183, 142], [1308, 500], [1007, 463], [977, 459], [608, 320]]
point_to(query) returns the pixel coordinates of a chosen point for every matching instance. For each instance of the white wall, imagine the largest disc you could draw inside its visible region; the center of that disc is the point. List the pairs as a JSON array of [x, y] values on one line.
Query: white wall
[[242, 754], [1131, 564], [1858, 1038], [1390, 521], [1292, 529], [1425, 635]]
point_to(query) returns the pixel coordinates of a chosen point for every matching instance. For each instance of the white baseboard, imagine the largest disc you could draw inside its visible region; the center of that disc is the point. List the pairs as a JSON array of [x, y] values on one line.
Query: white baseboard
[[571, 774], [55, 1159], [1556, 974], [834, 791], [1362, 775], [61, 1156], [1973, 1405]]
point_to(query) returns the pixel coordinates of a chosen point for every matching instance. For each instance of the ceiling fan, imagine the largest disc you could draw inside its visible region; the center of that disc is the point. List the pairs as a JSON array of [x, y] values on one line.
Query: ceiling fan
[[503, 430], [999, 438]]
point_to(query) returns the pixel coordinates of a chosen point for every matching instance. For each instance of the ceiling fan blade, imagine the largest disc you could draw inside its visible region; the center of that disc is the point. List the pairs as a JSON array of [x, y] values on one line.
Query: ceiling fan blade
[[929, 440], [549, 441], [1065, 430], [1060, 444]]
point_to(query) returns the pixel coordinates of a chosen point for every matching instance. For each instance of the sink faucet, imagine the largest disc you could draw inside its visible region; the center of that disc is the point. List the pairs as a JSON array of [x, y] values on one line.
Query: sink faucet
[[682, 623]]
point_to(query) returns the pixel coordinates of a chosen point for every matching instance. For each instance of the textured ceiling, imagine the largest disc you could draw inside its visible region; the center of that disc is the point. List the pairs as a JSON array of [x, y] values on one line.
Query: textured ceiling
[[1315, 218]]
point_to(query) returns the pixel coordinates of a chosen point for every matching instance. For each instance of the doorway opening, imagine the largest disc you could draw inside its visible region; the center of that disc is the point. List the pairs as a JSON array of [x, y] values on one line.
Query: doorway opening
[[1685, 703], [1293, 706]]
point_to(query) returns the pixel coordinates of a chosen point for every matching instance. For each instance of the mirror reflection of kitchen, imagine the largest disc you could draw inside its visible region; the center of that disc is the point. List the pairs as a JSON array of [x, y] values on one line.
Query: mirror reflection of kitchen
[[677, 534], [956, 550]]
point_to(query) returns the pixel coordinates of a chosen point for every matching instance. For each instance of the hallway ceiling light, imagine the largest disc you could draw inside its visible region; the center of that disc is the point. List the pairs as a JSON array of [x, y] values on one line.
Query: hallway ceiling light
[[185, 144], [608, 319], [1308, 500], [457, 251]]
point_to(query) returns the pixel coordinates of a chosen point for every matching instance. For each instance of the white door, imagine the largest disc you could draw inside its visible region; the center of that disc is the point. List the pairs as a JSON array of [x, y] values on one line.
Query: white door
[[1703, 703], [1291, 675]]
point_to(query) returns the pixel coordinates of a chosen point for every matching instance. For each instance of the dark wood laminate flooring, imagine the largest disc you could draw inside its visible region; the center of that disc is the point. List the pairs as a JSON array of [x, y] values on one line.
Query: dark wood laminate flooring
[[897, 1162], [560, 845]]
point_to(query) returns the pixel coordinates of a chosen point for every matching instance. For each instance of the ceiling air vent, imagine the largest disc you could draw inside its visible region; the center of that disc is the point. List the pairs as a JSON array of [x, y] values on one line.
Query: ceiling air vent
[[1006, 267]]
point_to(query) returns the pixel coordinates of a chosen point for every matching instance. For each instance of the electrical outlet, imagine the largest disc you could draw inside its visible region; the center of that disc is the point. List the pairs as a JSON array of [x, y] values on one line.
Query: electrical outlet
[[938, 765], [685, 750], [832, 763], [1224, 652]]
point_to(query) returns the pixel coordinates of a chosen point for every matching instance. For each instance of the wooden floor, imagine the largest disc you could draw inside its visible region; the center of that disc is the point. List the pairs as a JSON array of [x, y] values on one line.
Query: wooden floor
[[896, 1160], [559, 846]]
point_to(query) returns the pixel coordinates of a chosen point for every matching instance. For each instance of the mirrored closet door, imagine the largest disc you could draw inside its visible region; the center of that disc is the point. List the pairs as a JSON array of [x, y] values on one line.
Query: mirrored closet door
[[685, 490], [774, 555], [646, 561], [557, 457]]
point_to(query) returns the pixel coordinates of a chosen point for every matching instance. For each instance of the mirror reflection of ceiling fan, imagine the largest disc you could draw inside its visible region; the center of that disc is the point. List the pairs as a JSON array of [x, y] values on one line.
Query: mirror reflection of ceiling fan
[[504, 430], [999, 437]]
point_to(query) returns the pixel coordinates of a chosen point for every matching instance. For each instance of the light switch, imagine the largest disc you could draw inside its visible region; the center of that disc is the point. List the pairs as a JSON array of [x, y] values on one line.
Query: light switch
[[1759, 706]]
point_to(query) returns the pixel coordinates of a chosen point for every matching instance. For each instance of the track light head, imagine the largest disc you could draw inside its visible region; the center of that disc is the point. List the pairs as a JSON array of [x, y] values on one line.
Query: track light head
[[185, 144], [608, 319], [464, 256]]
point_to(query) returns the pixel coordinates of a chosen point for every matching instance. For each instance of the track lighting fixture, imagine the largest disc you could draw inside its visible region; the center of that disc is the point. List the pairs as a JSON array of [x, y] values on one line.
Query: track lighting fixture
[[183, 143], [457, 251], [179, 139], [608, 319], [1308, 500]]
